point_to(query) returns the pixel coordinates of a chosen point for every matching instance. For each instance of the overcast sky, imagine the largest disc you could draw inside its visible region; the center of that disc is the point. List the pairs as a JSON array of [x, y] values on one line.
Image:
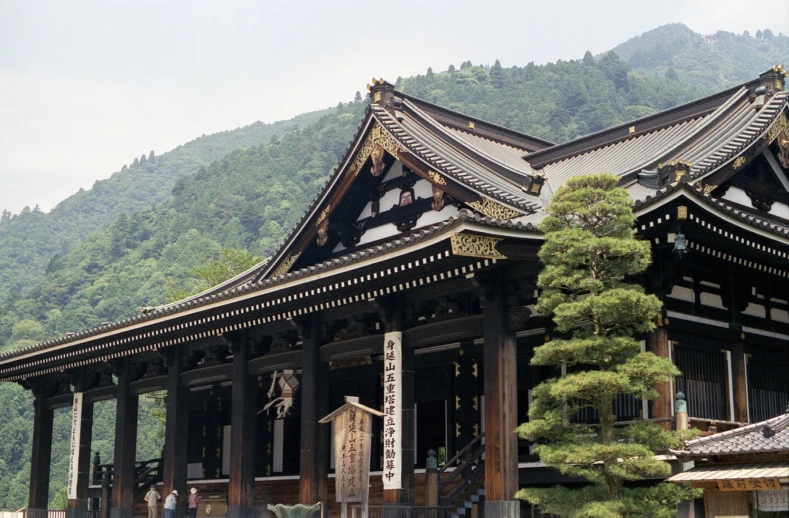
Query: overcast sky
[[85, 86]]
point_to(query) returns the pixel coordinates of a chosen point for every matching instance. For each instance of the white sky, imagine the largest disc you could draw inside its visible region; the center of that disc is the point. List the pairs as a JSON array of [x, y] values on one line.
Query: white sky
[[85, 86]]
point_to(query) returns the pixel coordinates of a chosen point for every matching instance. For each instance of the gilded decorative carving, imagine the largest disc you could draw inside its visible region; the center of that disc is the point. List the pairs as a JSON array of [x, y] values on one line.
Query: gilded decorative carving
[[285, 265], [437, 178], [324, 215], [377, 159], [471, 245], [493, 209], [708, 188], [377, 136], [438, 199], [738, 162], [780, 125], [682, 212], [783, 148], [323, 233]]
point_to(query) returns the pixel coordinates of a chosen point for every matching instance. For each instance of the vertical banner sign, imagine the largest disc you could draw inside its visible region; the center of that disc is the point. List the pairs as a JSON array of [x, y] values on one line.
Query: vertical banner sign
[[76, 429], [393, 378], [352, 439]]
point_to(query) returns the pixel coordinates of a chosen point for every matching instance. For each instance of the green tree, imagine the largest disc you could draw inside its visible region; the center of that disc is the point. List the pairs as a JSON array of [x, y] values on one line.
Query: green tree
[[230, 263], [589, 251]]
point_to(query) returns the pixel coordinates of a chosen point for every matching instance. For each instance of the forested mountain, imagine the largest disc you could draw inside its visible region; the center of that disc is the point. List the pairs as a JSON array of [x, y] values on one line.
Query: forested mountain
[[711, 61], [30, 239], [249, 199]]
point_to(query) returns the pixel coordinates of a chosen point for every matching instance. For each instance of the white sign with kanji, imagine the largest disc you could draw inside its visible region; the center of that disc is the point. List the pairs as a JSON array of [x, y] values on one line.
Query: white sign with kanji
[[76, 429], [393, 430]]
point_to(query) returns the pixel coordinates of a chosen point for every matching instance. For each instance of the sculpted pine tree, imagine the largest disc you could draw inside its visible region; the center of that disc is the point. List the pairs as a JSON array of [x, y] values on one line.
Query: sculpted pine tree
[[589, 251]]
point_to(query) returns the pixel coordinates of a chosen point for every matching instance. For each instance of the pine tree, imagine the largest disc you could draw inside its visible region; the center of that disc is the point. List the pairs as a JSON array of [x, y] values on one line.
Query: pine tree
[[589, 251], [497, 75], [151, 155], [759, 34], [358, 97]]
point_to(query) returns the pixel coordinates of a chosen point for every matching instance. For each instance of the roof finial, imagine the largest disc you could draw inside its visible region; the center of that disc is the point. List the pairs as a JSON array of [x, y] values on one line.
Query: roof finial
[[381, 92]]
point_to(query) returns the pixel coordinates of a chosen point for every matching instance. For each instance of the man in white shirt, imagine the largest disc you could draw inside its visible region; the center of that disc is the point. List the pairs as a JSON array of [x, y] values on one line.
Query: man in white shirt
[[169, 504], [152, 497]]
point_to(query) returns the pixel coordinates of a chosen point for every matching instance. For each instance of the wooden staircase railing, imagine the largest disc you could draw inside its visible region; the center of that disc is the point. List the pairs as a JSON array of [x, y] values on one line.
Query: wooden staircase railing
[[469, 469]]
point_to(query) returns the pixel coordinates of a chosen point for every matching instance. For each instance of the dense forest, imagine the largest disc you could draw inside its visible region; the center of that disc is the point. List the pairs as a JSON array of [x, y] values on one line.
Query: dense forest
[[140, 237], [30, 239]]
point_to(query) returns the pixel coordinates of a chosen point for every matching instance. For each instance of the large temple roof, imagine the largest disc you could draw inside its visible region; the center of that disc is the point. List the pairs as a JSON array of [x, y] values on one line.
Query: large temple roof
[[490, 173], [705, 136]]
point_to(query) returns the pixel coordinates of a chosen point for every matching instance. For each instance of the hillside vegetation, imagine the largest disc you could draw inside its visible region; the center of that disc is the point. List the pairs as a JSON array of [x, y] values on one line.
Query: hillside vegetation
[[141, 243], [712, 61], [30, 239]]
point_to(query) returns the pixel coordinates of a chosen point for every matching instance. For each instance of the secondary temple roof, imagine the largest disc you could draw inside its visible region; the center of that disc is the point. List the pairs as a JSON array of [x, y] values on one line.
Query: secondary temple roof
[[501, 180]]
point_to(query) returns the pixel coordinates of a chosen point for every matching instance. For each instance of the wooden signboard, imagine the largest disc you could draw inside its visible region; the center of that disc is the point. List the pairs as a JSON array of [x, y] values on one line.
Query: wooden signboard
[[352, 430], [749, 484]]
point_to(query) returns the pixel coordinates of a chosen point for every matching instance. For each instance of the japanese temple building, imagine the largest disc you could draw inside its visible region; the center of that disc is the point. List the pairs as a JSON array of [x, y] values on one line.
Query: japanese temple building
[[427, 231]]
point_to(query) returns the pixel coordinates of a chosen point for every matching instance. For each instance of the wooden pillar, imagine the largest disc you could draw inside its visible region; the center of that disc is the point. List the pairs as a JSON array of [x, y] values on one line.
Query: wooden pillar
[[77, 507], [176, 428], [657, 343], [501, 405], [405, 495], [739, 385], [314, 459], [243, 420], [125, 446], [38, 494]]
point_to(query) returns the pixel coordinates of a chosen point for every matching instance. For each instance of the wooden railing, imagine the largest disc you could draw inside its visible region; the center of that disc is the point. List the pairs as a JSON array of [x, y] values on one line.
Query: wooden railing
[[146, 472], [469, 468]]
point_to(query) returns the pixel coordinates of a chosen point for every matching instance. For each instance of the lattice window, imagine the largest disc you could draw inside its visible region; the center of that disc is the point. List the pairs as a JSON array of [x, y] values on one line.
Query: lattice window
[[703, 382], [768, 389]]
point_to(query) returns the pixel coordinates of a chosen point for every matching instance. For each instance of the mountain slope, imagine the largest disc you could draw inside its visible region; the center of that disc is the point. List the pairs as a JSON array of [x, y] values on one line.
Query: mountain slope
[[29, 240], [713, 62]]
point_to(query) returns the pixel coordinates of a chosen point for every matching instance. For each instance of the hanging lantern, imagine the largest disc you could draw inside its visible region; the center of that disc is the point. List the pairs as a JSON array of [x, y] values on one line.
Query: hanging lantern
[[680, 244]]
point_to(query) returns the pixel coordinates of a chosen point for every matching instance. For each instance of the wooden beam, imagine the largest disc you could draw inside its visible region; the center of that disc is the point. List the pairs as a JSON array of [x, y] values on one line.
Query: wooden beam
[[176, 429], [739, 386], [657, 343], [38, 494], [243, 420], [125, 445], [314, 459], [452, 188], [501, 404]]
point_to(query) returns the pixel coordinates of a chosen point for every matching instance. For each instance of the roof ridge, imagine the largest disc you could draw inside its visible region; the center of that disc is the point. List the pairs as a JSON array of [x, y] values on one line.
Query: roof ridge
[[620, 132], [515, 133], [782, 419], [455, 139], [507, 193]]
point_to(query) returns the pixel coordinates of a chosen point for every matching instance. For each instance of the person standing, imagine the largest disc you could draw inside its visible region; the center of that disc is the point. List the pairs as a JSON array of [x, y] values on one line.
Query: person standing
[[153, 497], [193, 501], [169, 504]]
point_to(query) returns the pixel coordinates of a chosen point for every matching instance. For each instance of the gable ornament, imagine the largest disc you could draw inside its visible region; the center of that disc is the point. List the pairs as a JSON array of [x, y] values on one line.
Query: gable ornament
[[472, 245], [493, 209], [285, 265], [378, 140]]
